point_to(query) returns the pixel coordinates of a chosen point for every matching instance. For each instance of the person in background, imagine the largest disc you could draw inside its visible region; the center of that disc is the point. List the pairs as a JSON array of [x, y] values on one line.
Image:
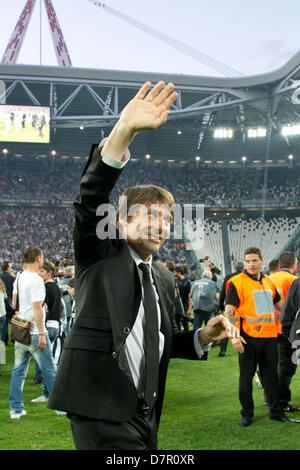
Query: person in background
[[253, 305], [184, 288], [274, 266], [8, 278], [204, 295], [30, 290], [71, 292], [53, 307], [63, 285], [283, 280], [3, 295], [238, 268]]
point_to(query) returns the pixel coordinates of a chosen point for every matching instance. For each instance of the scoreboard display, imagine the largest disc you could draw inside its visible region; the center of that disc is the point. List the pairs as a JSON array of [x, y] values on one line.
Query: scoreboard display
[[24, 124]]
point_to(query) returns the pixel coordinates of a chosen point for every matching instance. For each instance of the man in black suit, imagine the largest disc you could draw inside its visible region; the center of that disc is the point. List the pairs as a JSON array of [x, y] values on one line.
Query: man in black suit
[[101, 377]]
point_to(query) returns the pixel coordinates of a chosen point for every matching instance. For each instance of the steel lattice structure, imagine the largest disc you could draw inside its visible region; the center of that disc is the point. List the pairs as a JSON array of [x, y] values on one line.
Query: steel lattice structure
[[93, 99], [85, 103]]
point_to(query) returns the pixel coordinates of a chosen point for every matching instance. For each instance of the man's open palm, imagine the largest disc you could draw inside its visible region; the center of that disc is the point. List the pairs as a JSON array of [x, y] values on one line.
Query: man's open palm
[[149, 111]]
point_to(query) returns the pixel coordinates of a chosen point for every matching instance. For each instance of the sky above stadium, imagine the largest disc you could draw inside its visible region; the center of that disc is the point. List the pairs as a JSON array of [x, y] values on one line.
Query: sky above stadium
[[250, 36]]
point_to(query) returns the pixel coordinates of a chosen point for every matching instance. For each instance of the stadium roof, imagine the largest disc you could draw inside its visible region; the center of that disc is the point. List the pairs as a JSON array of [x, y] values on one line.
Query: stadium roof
[[92, 99]]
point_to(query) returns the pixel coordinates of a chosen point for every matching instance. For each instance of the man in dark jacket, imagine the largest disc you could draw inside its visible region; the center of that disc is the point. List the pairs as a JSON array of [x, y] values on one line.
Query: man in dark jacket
[[8, 280], [290, 308], [7, 277], [110, 378]]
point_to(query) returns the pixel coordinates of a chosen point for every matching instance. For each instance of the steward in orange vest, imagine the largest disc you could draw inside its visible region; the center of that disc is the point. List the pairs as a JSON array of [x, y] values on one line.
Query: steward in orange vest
[[283, 279], [253, 305]]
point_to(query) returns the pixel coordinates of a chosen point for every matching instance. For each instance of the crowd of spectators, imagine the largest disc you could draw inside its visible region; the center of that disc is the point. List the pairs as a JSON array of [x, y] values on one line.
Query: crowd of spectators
[[50, 229], [211, 186], [283, 185], [41, 177], [141, 173], [59, 178]]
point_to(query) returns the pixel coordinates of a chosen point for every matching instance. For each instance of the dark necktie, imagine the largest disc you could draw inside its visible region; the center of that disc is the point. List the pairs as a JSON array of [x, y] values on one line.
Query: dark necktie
[[151, 338]]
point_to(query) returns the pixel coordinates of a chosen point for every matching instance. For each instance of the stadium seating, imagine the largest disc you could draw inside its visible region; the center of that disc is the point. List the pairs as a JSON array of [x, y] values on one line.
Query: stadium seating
[[56, 180], [271, 236]]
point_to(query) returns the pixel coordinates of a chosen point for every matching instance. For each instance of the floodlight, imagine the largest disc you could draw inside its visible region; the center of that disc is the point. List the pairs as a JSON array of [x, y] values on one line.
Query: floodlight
[[257, 132], [222, 133], [290, 129]]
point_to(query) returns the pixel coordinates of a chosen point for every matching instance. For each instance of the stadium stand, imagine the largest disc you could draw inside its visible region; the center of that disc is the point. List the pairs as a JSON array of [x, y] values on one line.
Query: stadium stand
[[211, 243], [252, 199], [54, 182], [270, 235]]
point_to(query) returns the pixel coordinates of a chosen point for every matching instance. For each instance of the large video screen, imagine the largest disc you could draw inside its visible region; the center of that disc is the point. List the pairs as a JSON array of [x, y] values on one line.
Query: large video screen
[[24, 124]]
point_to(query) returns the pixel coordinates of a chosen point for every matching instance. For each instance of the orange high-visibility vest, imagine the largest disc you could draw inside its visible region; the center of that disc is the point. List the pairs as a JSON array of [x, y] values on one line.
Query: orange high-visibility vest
[[282, 281], [228, 282], [259, 317]]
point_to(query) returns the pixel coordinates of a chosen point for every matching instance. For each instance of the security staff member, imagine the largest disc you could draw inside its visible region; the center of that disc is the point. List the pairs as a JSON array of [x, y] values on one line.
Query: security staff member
[[286, 368], [250, 304]]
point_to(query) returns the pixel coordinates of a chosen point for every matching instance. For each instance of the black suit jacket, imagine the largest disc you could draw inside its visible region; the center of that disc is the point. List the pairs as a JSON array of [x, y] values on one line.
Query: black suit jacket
[[290, 307], [8, 280], [93, 378]]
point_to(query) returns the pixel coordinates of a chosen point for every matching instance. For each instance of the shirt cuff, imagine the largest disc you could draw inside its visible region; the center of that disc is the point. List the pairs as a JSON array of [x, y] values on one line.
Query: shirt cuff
[[200, 347], [110, 161]]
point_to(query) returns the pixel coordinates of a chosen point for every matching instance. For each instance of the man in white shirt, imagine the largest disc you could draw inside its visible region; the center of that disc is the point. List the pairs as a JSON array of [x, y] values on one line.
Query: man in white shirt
[[30, 289]]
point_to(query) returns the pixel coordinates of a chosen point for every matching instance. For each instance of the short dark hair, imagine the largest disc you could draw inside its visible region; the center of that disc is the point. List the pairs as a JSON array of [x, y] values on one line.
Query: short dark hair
[[239, 266], [143, 194], [30, 254], [170, 265], [287, 259], [71, 283], [179, 269], [185, 269], [49, 267], [274, 265], [253, 250], [5, 266]]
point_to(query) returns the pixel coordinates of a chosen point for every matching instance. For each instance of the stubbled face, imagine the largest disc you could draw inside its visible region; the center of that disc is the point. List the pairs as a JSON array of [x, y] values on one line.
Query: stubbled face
[[253, 264], [147, 228]]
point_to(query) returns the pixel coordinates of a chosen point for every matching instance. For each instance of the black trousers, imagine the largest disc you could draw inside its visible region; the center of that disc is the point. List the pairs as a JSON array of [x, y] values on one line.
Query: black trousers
[[286, 368], [260, 352], [140, 433]]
